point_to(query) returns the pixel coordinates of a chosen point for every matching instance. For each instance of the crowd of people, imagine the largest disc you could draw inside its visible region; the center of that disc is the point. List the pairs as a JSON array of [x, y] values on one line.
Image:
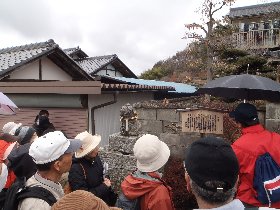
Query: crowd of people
[[43, 169]]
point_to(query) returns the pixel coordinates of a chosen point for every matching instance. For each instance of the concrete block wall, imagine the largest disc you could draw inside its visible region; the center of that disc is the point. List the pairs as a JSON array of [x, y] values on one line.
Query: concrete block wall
[[157, 121], [272, 117], [166, 124]]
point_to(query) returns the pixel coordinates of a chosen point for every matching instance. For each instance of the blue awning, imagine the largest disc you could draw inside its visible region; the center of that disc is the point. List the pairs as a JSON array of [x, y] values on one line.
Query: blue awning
[[179, 87]]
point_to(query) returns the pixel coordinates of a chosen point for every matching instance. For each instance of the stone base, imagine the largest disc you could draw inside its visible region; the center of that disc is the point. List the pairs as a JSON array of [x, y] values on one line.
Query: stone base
[[119, 166], [122, 144]]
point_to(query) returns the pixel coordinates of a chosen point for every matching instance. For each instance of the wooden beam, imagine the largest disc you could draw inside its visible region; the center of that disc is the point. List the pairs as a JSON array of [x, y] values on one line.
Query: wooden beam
[[60, 87], [40, 69]]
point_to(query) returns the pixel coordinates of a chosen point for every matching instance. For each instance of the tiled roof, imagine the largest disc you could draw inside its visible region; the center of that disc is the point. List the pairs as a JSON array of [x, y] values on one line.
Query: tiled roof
[[12, 57], [69, 51], [178, 87], [135, 87], [93, 64], [75, 50], [255, 10]]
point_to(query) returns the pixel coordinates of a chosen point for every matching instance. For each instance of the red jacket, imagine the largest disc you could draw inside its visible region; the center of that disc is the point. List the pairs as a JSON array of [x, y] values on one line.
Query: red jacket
[[255, 141], [155, 195], [11, 176]]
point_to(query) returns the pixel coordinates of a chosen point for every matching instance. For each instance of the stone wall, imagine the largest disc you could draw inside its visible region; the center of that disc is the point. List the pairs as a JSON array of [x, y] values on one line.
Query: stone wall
[[272, 117], [166, 124]]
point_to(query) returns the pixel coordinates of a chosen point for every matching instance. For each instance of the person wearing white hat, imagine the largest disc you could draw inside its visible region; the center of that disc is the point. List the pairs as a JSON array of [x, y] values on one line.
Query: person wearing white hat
[[52, 154], [144, 187], [87, 169], [11, 127]]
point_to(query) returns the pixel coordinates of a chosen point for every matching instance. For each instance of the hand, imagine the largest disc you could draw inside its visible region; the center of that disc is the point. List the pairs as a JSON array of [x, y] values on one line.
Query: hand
[[107, 182]]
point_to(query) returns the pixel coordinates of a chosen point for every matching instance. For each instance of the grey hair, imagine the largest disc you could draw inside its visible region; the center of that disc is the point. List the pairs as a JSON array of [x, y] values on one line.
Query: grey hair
[[211, 197]]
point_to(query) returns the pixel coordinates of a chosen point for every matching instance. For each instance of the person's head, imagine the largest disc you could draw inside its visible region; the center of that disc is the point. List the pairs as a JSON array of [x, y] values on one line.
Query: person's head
[[20, 162], [11, 127], [211, 170], [246, 114], [26, 134], [90, 145], [151, 153], [53, 152], [44, 112], [81, 199]]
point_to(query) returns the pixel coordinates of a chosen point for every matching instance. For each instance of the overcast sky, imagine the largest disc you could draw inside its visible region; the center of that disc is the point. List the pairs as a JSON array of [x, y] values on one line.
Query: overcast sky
[[140, 32]]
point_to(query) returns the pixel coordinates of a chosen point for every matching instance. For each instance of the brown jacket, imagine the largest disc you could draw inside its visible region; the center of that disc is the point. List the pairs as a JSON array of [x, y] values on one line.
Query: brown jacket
[[154, 194]]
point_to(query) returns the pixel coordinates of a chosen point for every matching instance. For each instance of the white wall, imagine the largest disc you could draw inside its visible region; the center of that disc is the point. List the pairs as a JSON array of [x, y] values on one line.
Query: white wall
[[107, 119], [110, 72], [50, 71], [30, 71]]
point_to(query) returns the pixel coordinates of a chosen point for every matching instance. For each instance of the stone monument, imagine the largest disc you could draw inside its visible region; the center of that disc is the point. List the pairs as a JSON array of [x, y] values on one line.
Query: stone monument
[[119, 153]]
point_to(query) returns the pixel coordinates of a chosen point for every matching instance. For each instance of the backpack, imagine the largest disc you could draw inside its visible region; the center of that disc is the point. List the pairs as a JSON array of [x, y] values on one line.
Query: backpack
[[126, 204], [267, 179], [18, 191]]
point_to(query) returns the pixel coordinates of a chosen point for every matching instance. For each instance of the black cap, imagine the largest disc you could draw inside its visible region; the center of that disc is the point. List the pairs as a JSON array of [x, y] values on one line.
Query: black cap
[[212, 159], [245, 113]]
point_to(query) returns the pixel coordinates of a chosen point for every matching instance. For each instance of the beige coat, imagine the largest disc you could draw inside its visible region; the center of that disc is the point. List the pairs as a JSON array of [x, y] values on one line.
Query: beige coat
[[35, 203]]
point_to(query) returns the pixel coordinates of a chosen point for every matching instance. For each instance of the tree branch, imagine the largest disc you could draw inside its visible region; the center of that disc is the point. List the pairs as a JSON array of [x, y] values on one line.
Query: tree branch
[[196, 25], [224, 3]]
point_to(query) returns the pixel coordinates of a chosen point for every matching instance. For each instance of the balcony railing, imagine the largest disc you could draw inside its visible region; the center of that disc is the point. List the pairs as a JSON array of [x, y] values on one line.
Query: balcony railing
[[255, 39]]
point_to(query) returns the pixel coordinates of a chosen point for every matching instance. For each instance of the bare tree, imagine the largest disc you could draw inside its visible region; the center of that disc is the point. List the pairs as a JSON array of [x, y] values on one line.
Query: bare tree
[[208, 10]]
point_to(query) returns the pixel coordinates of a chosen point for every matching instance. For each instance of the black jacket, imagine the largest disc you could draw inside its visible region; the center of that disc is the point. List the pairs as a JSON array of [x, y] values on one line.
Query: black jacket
[[21, 162], [89, 177], [42, 124]]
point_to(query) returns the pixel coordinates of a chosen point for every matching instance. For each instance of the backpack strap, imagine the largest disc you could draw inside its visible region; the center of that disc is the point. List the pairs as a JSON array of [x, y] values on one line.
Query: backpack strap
[[85, 175], [37, 192]]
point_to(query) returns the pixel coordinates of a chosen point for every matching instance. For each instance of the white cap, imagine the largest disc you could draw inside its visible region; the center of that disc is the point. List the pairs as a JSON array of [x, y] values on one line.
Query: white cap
[[151, 153], [51, 146], [11, 127]]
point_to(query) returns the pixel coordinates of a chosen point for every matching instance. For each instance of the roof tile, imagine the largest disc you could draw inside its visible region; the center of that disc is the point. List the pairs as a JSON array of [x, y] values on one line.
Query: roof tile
[[253, 10], [90, 65], [11, 56]]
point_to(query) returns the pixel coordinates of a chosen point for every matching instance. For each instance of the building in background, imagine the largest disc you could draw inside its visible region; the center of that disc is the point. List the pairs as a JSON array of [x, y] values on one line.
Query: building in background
[[80, 92]]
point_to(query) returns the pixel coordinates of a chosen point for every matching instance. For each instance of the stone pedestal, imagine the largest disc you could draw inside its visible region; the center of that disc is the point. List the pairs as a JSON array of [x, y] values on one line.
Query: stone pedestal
[[122, 144], [120, 158]]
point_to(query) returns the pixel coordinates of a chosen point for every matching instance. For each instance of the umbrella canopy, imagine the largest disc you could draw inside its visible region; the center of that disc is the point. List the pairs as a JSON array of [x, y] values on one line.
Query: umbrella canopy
[[7, 107], [245, 86]]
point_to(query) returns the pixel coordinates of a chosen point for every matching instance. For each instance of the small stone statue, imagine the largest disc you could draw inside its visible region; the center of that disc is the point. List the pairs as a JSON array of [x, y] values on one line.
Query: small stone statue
[[129, 123]]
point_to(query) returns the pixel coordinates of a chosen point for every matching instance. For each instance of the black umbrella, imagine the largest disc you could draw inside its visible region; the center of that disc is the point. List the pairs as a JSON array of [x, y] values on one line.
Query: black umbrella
[[245, 86]]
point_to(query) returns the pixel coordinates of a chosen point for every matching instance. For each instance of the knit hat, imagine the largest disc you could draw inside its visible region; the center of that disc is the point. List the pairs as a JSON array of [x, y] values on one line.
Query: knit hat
[[25, 133], [11, 127], [51, 146], [81, 199], [212, 159], [245, 113], [151, 153], [89, 143]]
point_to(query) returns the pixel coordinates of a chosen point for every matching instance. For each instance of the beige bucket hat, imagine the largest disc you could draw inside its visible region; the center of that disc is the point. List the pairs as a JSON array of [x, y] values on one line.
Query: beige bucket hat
[[89, 143]]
